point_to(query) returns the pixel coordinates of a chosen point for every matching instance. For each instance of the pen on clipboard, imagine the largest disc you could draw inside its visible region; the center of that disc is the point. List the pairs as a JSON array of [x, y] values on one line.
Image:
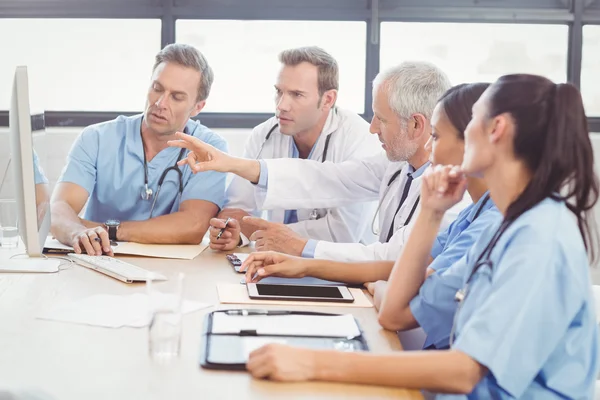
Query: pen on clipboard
[[257, 312], [223, 229]]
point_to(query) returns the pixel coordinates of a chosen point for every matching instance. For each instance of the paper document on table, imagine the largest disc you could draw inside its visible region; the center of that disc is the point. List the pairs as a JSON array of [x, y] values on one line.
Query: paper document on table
[[238, 294], [175, 251], [179, 251], [342, 326], [251, 343], [111, 311]]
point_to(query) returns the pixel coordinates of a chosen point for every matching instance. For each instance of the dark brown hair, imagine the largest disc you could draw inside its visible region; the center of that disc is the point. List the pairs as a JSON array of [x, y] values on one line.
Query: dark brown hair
[[188, 56], [552, 139], [328, 75], [458, 102]]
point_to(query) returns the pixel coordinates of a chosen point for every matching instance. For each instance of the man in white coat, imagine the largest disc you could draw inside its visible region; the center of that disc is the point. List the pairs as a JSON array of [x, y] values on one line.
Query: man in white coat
[[403, 100], [307, 125]]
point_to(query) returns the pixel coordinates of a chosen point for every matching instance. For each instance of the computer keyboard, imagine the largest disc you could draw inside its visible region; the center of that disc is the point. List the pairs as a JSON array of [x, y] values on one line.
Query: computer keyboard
[[116, 268]]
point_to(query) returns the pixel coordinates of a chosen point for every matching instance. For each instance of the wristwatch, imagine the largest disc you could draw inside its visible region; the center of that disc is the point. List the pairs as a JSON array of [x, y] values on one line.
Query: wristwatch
[[112, 225]]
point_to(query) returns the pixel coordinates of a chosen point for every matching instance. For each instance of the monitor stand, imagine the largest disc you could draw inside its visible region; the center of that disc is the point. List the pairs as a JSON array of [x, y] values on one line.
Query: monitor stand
[[33, 264]]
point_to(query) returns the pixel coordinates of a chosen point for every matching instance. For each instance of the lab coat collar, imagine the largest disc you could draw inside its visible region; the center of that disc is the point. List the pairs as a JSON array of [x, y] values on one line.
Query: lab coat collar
[[417, 173], [332, 123]]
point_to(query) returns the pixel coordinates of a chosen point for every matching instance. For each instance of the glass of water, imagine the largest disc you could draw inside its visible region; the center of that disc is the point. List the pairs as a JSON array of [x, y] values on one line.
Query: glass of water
[[165, 300], [9, 232]]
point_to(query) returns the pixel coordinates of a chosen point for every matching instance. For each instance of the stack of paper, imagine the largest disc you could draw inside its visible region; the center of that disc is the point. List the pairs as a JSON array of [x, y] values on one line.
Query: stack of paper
[[111, 311]]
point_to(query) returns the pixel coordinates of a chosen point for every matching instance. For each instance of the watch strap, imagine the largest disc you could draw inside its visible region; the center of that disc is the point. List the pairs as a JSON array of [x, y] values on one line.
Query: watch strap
[[112, 232]]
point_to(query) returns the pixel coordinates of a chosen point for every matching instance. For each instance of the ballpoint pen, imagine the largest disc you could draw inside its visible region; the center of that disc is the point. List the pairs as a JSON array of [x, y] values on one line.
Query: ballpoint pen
[[257, 312], [223, 229]]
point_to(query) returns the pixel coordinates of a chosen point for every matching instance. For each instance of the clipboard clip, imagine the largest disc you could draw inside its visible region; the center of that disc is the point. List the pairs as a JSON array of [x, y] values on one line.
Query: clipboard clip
[[248, 332]]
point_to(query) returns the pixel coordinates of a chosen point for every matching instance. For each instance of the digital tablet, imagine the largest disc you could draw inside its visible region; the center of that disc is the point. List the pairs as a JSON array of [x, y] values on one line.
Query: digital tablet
[[299, 292]]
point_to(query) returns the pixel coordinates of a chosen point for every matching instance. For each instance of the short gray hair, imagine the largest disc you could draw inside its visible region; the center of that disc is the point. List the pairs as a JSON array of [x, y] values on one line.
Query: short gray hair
[[328, 76], [413, 87], [188, 56]]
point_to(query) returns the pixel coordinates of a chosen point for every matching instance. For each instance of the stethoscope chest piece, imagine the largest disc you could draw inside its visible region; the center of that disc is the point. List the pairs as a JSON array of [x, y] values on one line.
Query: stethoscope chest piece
[[314, 214], [146, 193], [460, 295]]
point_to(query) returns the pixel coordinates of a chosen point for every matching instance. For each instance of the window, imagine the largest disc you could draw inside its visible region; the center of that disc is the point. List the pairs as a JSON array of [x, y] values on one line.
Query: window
[[478, 52], [243, 55], [590, 70], [80, 64]]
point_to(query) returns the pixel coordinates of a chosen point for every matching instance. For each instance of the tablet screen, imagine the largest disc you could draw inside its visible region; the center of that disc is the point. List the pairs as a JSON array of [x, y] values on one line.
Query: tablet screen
[[298, 291]]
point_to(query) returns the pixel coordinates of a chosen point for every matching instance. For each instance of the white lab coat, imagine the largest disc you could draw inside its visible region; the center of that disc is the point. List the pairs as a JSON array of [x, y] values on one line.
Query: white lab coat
[[350, 140], [330, 184]]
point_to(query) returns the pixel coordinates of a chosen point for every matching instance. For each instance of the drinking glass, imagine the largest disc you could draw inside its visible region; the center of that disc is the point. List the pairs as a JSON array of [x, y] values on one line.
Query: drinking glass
[[9, 231], [165, 307]]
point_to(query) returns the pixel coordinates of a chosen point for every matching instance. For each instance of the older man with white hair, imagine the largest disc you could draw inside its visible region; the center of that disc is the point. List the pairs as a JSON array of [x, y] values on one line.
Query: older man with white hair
[[403, 100]]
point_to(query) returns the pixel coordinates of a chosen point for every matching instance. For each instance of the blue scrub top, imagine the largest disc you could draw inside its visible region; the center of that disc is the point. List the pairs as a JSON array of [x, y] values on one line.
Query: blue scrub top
[[434, 306], [107, 160], [38, 172], [457, 239], [530, 319]]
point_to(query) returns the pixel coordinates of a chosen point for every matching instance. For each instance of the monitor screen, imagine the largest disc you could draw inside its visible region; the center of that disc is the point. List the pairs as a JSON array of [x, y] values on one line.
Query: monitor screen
[[31, 191]]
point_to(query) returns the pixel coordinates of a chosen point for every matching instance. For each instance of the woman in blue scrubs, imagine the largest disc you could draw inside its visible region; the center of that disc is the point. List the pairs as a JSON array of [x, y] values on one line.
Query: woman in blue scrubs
[[526, 324]]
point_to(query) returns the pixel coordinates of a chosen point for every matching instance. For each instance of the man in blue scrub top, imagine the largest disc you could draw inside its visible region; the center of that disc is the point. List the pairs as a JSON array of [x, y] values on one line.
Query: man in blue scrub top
[[117, 167]]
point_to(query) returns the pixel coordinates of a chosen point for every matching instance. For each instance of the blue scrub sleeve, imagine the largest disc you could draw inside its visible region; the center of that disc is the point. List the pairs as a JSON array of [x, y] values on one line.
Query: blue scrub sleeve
[[461, 243], [82, 161], [38, 173], [207, 185], [434, 306], [440, 242], [528, 306]]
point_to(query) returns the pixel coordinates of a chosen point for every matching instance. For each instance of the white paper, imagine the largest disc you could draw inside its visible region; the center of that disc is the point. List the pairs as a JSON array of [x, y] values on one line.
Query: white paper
[[292, 325], [249, 344], [111, 311]]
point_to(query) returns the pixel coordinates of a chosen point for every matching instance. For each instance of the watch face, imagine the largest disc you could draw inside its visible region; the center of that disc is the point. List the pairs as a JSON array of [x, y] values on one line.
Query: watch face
[[112, 222]]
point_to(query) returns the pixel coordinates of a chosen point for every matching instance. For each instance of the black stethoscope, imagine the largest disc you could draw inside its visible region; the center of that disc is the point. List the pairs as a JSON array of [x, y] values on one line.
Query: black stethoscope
[[147, 193], [314, 214], [262, 146], [484, 260], [374, 229]]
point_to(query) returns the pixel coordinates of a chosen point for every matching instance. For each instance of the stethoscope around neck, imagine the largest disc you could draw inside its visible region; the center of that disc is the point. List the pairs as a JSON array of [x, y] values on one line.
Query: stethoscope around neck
[[314, 214], [374, 228], [147, 193], [484, 260]]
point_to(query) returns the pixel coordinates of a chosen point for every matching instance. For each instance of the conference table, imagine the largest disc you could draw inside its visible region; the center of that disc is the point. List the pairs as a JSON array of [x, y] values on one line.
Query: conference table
[[73, 362]]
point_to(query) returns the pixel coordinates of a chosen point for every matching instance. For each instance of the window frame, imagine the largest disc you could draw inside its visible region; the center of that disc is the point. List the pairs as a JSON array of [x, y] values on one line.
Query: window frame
[[574, 13]]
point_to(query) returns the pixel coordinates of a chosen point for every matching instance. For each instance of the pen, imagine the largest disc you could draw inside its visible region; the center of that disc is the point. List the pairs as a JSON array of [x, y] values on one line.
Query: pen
[[223, 230], [256, 312]]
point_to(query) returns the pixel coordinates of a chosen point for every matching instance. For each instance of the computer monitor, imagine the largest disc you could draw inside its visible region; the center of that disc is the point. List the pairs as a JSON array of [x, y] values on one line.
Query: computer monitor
[[33, 211]]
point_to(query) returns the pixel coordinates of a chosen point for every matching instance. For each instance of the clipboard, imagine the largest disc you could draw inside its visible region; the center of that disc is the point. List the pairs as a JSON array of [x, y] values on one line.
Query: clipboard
[[225, 347]]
